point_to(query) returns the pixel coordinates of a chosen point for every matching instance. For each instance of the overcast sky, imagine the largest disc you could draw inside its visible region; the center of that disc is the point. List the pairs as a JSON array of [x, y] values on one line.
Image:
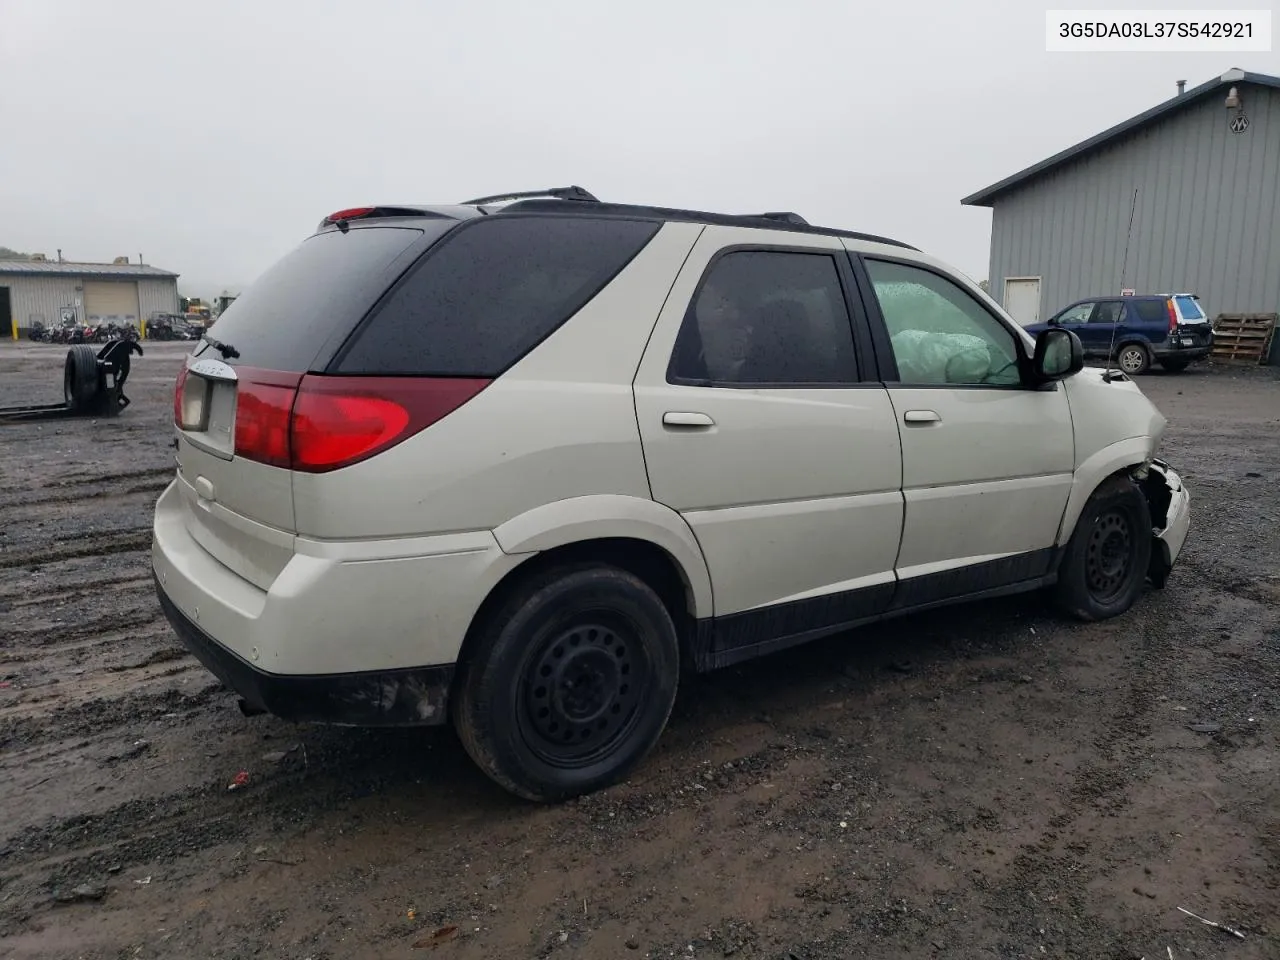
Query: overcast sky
[[212, 137]]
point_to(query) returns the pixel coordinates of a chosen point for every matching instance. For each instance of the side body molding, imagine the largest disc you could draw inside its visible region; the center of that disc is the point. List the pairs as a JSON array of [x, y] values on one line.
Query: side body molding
[[601, 516]]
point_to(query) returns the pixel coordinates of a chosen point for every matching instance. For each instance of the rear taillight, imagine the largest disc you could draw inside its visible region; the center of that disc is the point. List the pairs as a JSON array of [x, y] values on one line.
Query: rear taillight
[[262, 421], [317, 423], [1173, 316], [338, 421], [177, 396]]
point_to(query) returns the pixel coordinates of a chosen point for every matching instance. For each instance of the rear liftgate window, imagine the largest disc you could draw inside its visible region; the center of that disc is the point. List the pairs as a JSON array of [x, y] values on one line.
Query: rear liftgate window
[[1189, 308], [491, 292], [318, 291]]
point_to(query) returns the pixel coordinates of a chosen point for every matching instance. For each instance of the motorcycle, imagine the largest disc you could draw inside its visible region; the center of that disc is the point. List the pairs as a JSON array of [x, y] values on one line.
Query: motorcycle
[[66, 333]]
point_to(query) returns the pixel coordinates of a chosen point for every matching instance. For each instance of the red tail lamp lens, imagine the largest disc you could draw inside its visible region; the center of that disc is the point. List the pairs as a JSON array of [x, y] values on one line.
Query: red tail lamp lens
[[331, 430], [262, 422]]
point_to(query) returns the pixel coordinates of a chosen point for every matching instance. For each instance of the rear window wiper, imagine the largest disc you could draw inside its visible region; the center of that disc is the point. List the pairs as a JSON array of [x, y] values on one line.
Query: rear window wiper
[[227, 350]]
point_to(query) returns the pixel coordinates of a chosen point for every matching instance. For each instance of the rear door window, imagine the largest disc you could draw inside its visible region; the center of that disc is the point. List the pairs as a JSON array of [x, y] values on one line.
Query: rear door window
[[316, 293], [1189, 308], [765, 317], [491, 292], [1108, 311]]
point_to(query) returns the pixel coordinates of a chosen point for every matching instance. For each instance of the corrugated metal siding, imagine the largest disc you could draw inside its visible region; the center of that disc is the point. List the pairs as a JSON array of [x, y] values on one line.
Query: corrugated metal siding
[[1207, 219], [157, 296], [45, 296], [42, 298]]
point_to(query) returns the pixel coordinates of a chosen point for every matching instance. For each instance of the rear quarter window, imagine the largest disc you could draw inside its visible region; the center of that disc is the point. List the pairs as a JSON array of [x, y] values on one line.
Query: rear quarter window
[[490, 292], [1151, 311]]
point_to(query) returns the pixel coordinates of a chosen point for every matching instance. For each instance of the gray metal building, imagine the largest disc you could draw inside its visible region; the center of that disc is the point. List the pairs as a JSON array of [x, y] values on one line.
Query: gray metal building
[[44, 291], [1206, 168]]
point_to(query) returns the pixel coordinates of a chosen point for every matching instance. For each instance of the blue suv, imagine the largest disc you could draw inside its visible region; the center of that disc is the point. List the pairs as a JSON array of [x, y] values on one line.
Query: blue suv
[[1134, 332]]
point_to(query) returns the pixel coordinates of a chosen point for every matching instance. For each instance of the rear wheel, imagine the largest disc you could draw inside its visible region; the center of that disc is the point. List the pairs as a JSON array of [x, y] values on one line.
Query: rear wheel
[[1106, 561], [570, 683], [1133, 359], [1175, 366]]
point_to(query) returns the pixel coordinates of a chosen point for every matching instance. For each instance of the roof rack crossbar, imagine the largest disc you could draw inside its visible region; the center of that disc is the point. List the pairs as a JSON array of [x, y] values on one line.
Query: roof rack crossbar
[[560, 193]]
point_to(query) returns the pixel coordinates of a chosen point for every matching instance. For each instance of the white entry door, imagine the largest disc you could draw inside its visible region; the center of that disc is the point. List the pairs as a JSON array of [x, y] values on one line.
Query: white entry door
[[1022, 299]]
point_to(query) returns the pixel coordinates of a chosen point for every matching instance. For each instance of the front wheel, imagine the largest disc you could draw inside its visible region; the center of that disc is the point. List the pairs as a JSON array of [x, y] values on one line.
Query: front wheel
[[1106, 560], [570, 682]]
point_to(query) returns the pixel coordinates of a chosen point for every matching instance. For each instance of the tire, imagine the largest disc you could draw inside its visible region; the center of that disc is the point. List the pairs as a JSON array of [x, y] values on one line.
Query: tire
[[80, 382], [569, 684], [1175, 366], [1133, 359], [1106, 561]]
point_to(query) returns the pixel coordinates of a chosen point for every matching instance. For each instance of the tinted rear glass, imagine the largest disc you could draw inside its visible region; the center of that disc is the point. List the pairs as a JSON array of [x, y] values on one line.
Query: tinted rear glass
[[1189, 309], [1151, 311], [317, 293], [491, 292]]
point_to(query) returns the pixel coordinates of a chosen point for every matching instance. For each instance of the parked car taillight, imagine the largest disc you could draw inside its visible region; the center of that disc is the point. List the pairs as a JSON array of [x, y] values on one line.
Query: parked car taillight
[[320, 423], [1173, 315]]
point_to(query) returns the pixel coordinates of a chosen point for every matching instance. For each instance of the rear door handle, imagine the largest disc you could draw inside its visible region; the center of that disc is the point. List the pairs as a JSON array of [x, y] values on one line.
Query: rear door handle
[[921, 416], [679, 418]]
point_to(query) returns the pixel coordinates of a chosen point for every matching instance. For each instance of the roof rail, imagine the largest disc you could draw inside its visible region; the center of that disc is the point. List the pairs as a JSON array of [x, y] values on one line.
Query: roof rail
[[777, 221], [559, 193], [785, 217]]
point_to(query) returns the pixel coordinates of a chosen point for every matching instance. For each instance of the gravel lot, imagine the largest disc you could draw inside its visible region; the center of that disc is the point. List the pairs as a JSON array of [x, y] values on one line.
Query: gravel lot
[[987, 781]]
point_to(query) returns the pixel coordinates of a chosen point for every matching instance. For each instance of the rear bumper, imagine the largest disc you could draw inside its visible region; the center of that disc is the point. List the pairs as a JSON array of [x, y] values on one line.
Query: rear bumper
[[1165, 352], [1172, 348], [335, 608], [416, 696]]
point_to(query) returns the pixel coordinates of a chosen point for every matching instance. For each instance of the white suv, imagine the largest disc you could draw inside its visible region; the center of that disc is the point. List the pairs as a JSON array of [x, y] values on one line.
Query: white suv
[[515, 462]]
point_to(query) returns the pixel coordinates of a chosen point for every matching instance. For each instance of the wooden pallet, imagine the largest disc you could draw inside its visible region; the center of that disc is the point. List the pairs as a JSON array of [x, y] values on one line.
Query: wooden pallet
[[1244, 337]]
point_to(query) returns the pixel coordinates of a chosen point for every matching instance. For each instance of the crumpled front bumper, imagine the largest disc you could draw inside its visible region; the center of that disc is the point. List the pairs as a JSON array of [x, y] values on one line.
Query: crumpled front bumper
[[1171, 529]]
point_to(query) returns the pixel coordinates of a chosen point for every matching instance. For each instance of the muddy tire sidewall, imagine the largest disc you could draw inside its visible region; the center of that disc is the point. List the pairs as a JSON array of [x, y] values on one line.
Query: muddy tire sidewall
[[1117, 505], [492, 706]]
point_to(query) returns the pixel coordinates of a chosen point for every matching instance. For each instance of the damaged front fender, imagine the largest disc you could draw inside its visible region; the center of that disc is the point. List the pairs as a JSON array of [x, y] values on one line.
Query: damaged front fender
[[1170, 505]]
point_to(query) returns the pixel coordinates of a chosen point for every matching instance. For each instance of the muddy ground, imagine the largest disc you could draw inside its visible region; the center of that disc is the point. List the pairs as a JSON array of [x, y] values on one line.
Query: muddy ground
[[987, 781]]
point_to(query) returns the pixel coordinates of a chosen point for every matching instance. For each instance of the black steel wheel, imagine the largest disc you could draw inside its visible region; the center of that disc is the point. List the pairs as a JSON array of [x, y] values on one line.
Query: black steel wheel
[[1108, 555], [583, 689], [1106, 561], [568, 682]]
